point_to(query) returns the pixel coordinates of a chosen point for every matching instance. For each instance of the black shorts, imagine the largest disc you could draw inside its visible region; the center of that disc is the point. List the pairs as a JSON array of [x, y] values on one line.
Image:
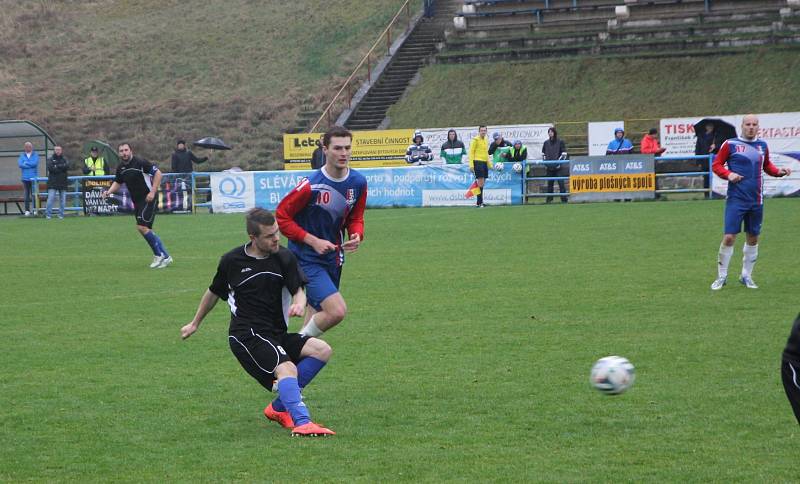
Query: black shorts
[[790, 374], [481, 169], [260, 355], [145, 213]]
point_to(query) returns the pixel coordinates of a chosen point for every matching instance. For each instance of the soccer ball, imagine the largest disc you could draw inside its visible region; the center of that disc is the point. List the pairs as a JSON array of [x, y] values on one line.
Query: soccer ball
[[498, 166], [612, 375], [517, 167]]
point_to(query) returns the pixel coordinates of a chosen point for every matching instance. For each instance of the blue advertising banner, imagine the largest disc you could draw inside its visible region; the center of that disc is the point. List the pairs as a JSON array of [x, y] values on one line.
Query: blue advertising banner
[[418, 186]]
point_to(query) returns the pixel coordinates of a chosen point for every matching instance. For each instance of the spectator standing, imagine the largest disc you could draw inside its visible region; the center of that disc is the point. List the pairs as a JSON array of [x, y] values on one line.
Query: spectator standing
[[650, 143], [318, 156], [28, 162], [620, 145], [182, 158], [57, 168], [418, 152], [479, 161], [94, 164], [453, 150], [708, 143], [553, 149]]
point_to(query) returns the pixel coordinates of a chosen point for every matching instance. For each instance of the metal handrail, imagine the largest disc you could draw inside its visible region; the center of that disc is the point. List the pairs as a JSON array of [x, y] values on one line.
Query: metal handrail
[[386, 32]]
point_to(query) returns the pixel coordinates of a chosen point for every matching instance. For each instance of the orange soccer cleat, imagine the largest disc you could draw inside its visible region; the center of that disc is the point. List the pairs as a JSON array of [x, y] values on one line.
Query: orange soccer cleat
[[312, 430], [282, 418]]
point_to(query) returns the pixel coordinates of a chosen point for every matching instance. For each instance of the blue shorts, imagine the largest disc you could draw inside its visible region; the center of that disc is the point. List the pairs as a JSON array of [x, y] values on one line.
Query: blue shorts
[[751, 214], [323, 280]]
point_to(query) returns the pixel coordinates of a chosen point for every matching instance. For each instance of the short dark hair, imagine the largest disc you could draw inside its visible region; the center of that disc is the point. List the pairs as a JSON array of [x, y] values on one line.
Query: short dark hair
[[180, 142], [123, 144], [653, 131], [338, 132], [256, 217], [482, 126]]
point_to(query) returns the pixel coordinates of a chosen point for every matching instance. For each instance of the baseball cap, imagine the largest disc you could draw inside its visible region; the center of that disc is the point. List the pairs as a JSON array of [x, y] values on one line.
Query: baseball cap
[[495, 135]]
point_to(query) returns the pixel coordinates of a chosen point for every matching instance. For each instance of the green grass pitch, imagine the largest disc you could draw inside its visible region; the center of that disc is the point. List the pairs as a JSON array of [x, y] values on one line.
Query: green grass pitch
[[464, 357]]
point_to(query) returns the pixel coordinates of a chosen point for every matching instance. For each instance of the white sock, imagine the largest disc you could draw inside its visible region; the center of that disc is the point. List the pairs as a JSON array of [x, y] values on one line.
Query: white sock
[[749, 259], [723, 259], [311, 329]]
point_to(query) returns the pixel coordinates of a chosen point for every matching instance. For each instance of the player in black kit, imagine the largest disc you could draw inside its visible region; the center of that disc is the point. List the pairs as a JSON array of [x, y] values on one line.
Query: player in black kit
[[263, 285], [142, 179], [790, 368]]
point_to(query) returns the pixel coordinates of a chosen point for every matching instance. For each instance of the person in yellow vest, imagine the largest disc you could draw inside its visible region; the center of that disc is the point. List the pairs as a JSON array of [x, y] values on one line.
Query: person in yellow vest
[[479, 160], [95, 165]]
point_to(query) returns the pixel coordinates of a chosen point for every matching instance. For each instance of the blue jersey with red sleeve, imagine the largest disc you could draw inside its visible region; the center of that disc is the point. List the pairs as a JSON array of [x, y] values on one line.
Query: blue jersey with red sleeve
[[324, 207], [749, 158]]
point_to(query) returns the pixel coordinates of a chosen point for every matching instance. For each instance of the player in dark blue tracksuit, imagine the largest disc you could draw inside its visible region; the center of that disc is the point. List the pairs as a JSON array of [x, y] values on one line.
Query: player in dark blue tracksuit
[[747, 158]]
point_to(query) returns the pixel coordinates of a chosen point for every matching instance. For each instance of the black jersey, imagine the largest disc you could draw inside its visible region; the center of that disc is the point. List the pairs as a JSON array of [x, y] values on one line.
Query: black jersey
[[137, 175], [792, 350], [258, 290]]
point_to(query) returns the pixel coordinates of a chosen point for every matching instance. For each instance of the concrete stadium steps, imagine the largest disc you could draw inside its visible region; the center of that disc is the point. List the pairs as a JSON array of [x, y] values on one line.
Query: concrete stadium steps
[[765, 25], [730, 24], [661, 48], [415, 52]]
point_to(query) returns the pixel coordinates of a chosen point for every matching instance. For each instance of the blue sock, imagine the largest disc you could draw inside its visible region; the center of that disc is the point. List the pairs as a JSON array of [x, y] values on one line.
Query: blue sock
[[160, 246], [152, 241], [290, 395], [307, 369]]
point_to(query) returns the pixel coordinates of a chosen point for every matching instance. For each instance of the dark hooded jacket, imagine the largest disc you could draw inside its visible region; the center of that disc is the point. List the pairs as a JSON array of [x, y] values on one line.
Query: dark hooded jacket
[[552, 149], [182, 161], [453, 152]]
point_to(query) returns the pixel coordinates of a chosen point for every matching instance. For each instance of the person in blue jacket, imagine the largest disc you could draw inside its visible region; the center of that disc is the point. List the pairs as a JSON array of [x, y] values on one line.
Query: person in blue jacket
[[620, 145], [29, 165]]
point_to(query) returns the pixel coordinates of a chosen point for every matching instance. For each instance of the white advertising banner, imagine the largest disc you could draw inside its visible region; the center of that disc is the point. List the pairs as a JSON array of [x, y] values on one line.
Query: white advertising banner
[[600, 134], [531, 135], [232, 191], [781, 131]]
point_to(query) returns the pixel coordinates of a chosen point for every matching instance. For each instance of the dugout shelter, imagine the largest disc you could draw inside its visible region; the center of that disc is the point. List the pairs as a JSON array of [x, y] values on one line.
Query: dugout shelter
[[13, 135]]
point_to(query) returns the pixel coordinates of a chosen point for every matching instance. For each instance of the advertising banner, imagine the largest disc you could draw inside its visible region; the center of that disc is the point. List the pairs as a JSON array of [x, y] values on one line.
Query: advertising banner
[[175, 195], [93, 201], [416, 186], [232, 191], [531, 135], [600, 134], [619, 177], [781, 131], [370, 148]]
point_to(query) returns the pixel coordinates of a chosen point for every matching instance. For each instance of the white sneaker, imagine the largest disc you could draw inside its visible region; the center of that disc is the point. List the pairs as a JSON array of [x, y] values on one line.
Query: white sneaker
[[27, 213], [748, 282], [718, 283], [156, 261], [165, 262]]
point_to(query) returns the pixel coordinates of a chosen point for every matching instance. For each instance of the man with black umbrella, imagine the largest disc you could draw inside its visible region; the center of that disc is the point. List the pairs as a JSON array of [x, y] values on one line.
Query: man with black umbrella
[[182, 158]]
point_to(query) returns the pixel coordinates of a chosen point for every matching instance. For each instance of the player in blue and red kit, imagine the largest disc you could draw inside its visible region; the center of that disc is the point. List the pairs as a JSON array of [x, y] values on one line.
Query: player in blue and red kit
[[314, 216], [747, 158]]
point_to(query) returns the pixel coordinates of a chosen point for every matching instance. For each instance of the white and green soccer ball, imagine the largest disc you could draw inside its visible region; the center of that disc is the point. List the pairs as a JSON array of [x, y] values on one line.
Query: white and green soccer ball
[[499, 166], [612, 375]]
